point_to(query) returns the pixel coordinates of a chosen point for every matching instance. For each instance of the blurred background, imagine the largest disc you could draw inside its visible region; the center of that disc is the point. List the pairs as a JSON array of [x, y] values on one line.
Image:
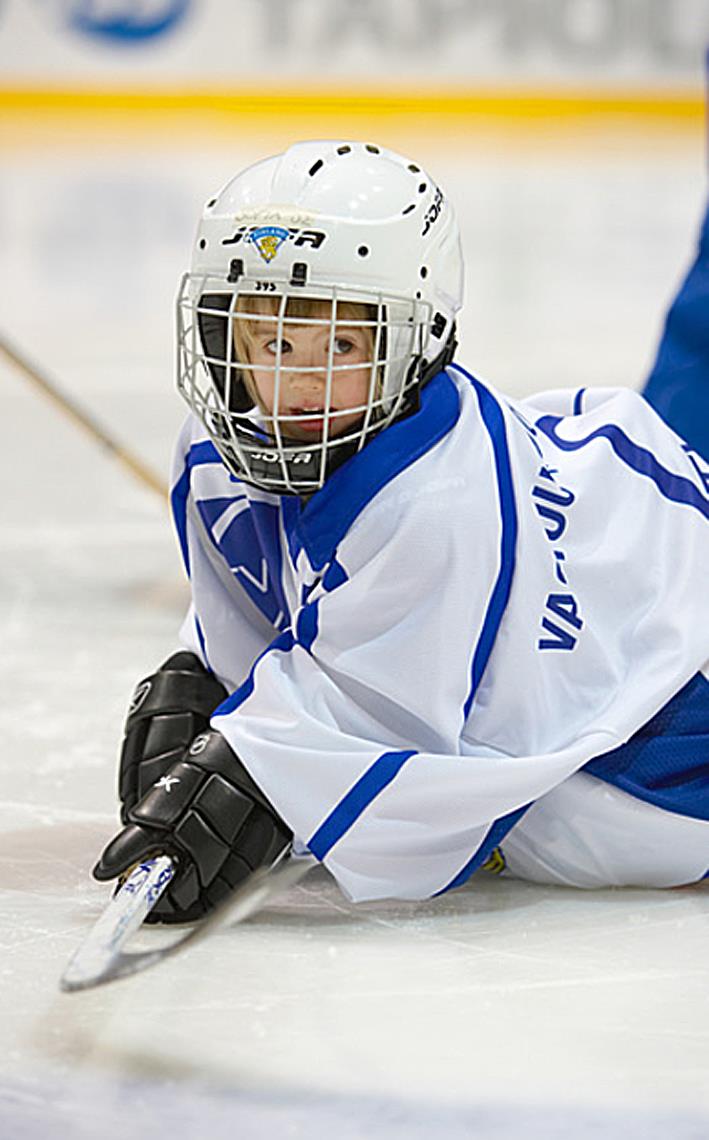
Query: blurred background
[[568, 133], [570, 136]]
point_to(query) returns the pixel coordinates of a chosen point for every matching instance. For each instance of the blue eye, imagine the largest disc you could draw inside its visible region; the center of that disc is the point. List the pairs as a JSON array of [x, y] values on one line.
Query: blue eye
[[342, 345]]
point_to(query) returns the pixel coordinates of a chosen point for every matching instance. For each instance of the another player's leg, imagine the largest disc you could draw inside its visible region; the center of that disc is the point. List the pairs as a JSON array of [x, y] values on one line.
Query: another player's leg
[[678, 386]]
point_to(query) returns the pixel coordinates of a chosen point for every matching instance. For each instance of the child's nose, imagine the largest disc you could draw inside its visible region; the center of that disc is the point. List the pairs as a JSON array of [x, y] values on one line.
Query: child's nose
[[312, 377]]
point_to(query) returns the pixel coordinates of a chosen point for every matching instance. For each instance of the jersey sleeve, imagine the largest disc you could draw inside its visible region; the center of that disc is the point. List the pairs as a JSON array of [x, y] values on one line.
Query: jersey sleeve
[[351, 720], [223, 626]]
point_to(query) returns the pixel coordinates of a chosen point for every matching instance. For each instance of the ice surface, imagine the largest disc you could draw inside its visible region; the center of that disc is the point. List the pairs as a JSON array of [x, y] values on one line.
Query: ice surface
[[501, 1010]]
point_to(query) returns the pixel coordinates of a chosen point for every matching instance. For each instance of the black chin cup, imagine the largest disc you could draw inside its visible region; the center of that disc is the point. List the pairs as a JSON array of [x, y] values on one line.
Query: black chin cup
[[213, 325], [295, 471]]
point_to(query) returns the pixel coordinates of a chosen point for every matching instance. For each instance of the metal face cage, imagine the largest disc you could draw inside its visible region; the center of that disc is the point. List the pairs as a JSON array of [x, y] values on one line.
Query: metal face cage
[[244, 352]]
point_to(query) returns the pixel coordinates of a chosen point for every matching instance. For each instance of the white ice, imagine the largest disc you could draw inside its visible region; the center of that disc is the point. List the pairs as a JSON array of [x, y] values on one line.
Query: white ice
[[500, 1010]]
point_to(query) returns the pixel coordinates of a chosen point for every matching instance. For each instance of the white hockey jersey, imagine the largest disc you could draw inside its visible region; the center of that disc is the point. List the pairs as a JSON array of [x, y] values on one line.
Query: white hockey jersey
[[485, 598]]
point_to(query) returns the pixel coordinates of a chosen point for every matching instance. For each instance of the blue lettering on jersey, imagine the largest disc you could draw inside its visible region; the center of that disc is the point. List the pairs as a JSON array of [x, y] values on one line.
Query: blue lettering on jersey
[[564, 607], [560, 557], [561, 498], [560, 639], [561, 616]]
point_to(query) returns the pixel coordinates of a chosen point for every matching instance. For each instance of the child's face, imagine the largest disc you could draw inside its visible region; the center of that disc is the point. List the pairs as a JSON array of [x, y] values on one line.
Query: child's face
[[303, 393]]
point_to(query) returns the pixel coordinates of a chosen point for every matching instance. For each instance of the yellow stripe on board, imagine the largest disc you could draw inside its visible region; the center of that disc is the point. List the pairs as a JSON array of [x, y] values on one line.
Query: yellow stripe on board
[[461, 103]]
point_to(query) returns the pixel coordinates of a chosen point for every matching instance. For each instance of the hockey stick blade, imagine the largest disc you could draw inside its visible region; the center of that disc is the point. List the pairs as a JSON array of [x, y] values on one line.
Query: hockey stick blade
[[100, 958]]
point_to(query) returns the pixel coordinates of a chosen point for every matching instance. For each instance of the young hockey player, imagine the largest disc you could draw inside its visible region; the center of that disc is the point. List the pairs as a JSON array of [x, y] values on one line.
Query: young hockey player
[[432, 629]]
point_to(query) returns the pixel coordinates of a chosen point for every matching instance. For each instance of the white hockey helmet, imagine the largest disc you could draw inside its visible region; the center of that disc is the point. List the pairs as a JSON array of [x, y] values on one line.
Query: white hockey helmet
[[337, 223]]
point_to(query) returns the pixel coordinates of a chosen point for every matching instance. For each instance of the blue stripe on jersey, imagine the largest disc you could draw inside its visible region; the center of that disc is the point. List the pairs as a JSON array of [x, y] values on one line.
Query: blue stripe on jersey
[[494, 422], [306, 630], [356, 801], [306, 626], [578, 401], [676, 488], [265, 521], [326, 518], [666, 762], [334, 576], [211, 510], [178, 503], [496, 833], [284, 642], [198, 454], [305, 633], [307, 620], [290, 512], [202, 640], [250, 544], [697, 463], [203, 452]]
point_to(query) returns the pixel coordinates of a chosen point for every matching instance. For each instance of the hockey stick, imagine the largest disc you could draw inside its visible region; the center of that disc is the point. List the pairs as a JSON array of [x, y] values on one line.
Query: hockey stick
[[100, 958], [80, 416]]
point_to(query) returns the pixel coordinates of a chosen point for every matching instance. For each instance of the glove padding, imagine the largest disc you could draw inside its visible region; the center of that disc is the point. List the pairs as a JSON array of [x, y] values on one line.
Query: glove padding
[[167, 710], [208, 814]]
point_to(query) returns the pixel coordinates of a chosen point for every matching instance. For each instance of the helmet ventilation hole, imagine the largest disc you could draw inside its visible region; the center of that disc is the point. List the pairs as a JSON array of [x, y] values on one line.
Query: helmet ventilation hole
[[372, 149], [414, 169], [423, 271], [409, 208], [344, 149], [315, 167], [363, 251], [203, 243], [422, 187]]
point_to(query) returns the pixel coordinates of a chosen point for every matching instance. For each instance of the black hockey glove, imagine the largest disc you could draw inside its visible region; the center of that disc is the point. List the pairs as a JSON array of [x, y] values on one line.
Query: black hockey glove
[[209, 815], [167, 711]]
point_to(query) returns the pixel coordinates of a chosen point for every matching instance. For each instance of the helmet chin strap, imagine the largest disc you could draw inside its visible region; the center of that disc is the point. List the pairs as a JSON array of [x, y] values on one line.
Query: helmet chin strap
[[426, 371], [445, 356]]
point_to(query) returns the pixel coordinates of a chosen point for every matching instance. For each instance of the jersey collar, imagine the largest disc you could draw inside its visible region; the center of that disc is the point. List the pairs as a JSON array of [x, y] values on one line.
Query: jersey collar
[[320, 525]]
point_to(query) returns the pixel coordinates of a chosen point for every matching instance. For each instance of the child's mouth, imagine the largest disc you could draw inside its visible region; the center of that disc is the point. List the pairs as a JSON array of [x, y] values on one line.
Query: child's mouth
[[309, 419], [314, 422]]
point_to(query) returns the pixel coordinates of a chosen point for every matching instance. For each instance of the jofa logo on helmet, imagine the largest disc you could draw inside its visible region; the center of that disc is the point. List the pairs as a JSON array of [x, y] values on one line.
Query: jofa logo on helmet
[[269, 239]]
